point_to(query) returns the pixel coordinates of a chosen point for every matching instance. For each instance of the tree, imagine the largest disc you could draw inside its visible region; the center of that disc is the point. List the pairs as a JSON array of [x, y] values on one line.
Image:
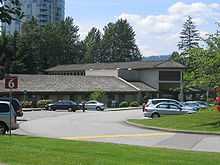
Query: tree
[[92, 46], [98, 95], [118, 43], [7, 51], [9, 10], [28, 57], [42, 47], [189, 37]]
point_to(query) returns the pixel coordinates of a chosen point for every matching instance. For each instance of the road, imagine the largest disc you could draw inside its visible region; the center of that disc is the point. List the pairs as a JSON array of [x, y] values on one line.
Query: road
[[110, 127]]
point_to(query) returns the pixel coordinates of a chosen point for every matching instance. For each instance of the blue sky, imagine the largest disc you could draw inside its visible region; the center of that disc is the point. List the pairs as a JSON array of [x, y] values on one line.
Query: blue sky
[[157, 22]]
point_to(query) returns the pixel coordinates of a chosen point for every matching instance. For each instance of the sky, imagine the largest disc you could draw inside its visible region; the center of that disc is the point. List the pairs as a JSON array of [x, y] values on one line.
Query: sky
[[157, 23]]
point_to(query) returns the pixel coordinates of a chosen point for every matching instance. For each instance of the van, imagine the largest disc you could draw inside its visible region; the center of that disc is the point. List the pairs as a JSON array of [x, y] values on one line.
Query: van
[[16, 105], [5, 117]]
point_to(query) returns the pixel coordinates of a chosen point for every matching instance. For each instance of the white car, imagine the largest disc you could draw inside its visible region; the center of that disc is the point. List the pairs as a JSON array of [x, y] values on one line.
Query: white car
[[94, 105]]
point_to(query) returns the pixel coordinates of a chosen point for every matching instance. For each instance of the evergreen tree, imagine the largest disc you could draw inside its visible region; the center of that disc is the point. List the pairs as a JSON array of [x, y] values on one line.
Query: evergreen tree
[[92, 46], [42, 47], [9, 10], [119, 44], [189, 37]]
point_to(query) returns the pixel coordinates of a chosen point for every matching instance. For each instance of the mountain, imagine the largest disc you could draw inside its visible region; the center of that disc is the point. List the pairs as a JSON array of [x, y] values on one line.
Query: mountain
[[157, 58]]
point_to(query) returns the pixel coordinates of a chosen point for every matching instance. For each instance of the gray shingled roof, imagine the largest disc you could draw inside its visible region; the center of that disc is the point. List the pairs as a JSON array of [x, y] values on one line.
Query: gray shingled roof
[[143, 87], [61, 83], [121, 65]]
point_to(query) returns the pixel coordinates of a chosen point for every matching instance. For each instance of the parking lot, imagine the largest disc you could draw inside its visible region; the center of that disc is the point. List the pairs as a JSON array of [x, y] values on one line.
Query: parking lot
[[108, 127]]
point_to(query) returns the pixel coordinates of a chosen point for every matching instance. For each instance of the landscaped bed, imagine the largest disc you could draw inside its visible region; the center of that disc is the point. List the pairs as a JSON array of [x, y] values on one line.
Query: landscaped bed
[[203, 121], [41, 151]]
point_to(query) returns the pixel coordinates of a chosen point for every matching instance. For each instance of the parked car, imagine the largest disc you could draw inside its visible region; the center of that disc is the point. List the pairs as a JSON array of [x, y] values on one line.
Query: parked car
[[203, 104], [94, 105], [153, 102], [192, 104], [16, 105], [5, 117], [64, 105], [164, 108]]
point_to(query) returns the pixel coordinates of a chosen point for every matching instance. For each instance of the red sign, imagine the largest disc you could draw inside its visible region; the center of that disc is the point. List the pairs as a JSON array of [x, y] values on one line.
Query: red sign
[[11, 82]]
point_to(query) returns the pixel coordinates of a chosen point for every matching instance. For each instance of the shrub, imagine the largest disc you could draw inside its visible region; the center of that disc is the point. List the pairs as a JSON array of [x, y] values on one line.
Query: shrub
[[43, 103], [27, 104], [97, 95], [134, 104], [123, 104]]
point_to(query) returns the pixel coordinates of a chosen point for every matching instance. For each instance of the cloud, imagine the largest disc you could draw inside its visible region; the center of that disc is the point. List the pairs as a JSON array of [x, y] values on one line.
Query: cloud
[[160, 32]]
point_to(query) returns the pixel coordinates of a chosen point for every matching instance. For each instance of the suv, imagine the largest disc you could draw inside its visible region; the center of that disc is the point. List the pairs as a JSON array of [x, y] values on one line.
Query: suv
[[5, 117], [16, 105]]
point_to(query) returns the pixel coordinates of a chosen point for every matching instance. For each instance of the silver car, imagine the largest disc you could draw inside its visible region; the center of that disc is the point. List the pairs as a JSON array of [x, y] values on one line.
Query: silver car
[[94, 105], [165, 109], [5, 117], [153, 102]]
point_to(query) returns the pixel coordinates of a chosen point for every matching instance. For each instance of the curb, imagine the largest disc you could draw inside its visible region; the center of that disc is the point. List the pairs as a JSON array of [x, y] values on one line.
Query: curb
[[171, 130], [32, 109], [123, 109]]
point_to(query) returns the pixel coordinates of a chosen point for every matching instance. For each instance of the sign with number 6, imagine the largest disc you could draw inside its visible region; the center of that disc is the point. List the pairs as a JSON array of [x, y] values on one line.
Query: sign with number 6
[[11, 82]]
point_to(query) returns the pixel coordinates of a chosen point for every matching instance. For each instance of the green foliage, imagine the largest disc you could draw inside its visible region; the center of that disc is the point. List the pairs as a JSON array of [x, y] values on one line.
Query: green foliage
[[134, 104], [27, 104], [39, 48], [203, 63], [98, 95], [9, 10], [189, 36], [123, 104], [92, 46], [43, 103], [118, 43], [7, 52]]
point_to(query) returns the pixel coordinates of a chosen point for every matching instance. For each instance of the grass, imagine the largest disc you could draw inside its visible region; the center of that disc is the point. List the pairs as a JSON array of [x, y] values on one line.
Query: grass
[[204, 121], [41, 151]]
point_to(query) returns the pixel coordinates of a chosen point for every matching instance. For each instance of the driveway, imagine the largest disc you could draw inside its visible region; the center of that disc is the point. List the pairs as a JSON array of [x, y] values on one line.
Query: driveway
[[109, 127]]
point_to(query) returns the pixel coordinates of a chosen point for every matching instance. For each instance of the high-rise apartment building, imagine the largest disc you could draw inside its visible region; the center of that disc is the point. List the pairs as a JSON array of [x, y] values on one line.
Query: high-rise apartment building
[[44, 11]]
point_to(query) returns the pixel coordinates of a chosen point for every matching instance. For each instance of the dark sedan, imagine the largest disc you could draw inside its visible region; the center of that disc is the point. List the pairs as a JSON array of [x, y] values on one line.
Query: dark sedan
[[69, 105]]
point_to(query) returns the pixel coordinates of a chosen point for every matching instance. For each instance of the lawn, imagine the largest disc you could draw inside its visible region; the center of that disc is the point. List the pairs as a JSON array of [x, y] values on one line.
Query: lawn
[[41, 151], [204, 121]]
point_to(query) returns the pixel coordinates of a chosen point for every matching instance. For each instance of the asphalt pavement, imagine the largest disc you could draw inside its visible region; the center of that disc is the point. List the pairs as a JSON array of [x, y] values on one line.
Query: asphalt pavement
[[109, 127]]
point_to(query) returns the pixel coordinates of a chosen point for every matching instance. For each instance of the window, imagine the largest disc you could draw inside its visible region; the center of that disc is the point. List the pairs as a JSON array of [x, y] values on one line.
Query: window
[[169, 75], [163, 106], [172, 106], [4, 108]]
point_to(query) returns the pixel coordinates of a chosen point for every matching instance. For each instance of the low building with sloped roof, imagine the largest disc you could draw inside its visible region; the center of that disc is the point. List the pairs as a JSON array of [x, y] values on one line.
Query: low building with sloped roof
[[128, 81]]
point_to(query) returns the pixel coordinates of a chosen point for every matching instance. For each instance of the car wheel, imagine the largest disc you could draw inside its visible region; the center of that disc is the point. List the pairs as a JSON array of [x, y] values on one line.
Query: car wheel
[[98, 108], [155, 115], [70, 110], [3, 128]]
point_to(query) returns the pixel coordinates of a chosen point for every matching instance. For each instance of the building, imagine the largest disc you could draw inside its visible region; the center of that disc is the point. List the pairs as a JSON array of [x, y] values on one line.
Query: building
[[129, 81], [163, 76], [45, 11]]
